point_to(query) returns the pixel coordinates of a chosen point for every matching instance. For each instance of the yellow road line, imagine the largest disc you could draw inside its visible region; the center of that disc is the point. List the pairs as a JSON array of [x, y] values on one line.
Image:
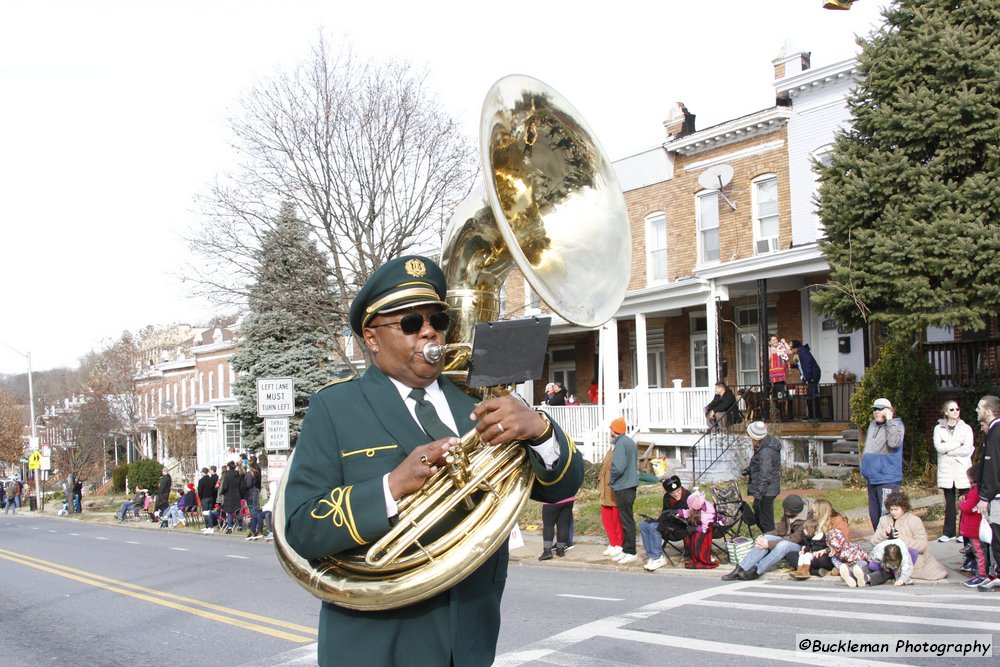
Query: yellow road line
[[166, 599]]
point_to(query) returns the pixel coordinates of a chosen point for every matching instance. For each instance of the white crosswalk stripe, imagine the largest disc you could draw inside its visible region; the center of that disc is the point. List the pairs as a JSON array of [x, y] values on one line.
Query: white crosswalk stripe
[[935, 610]]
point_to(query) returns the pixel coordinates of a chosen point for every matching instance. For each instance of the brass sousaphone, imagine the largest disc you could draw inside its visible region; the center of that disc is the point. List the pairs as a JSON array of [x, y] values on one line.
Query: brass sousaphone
[[551, 207]]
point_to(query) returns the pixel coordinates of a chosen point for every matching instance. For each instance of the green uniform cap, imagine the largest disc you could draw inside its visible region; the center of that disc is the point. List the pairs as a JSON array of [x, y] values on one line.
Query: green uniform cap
[[403, 282]]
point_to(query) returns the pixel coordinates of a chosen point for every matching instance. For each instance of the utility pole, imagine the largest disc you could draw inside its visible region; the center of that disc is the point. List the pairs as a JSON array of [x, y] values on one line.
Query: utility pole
[[34, 427]]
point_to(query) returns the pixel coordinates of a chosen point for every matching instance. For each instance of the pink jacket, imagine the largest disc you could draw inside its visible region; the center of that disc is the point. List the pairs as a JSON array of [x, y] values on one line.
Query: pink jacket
[[707, 517]]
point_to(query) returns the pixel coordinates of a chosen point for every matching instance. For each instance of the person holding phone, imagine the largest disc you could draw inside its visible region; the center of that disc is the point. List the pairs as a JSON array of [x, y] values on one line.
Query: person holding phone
[[882, 458]]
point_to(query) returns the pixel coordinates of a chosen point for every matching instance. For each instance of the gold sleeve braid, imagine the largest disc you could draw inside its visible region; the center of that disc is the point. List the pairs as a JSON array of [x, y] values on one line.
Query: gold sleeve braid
[[339, 512]]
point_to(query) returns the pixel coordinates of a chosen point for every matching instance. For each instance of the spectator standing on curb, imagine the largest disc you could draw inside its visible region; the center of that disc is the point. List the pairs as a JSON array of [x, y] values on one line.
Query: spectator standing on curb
[[764, 472], [231, 494], [988, 411], [609, 507], [78, 496], [163, 493], [555, 527], [624, 482], [969, 527], [882, 457], [954, 442], [206, 490]]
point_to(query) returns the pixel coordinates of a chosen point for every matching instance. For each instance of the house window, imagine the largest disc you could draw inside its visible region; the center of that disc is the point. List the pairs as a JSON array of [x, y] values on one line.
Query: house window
[[656, 247], [699, 360], [707, 212], [234, 436], [748, 344], [532, 304], [765, 214], [562, 368], [655, 367], [824, 157]]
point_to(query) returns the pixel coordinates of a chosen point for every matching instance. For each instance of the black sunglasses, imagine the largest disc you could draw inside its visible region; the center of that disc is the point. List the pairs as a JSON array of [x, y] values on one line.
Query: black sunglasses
[[414, 322]]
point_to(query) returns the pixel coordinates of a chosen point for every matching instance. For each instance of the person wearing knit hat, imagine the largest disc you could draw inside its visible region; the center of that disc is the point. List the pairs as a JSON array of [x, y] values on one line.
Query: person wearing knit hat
[[666, 527], [772, 547], [764, 472], [624, 482], [368, 441]]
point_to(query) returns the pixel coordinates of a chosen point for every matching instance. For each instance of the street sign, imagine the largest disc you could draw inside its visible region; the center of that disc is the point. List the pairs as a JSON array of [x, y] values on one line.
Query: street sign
[[35, 461], [276, 467], [275, 397], [276, 433]]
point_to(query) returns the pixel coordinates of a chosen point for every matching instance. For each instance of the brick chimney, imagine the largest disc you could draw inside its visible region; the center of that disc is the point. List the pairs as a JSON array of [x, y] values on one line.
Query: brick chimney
[[791, 60], [679, 122]]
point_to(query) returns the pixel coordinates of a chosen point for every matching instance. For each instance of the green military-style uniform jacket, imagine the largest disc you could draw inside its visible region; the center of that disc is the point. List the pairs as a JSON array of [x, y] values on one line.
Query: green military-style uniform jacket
[[353, 434]]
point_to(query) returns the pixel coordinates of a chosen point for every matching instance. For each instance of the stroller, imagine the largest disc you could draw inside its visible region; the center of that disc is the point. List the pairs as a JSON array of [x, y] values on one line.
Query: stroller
[[733, 517]]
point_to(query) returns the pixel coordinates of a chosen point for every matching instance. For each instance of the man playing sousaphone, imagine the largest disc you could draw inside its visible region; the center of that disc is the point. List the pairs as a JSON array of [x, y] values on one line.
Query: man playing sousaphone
[[369, 441]]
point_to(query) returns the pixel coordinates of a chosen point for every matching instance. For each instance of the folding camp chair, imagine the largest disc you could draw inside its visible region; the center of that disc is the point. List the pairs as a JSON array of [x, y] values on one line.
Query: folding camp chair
[[675, 547], [733, 515]]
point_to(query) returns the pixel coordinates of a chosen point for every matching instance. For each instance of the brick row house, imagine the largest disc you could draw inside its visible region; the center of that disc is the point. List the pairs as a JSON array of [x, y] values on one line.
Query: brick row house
[[185, 400], [714, 269]]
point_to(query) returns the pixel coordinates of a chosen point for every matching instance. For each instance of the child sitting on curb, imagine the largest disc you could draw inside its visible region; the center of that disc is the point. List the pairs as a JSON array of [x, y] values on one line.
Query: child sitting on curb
[[890, 560], [843, 551], [700, 517]]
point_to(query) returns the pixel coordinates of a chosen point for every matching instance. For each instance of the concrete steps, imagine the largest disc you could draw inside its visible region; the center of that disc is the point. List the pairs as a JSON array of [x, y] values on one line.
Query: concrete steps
[[844, 452]]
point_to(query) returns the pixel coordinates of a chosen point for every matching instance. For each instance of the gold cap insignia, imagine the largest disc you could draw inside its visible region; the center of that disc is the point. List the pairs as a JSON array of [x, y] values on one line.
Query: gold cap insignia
[[415, 268]]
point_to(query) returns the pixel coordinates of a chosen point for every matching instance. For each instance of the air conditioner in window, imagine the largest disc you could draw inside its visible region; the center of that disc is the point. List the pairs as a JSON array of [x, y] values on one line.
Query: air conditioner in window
[[765, 246]]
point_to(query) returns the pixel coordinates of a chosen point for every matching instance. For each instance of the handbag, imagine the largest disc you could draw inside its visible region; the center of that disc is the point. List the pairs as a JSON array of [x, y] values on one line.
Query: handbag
[[737, 548], [985, 531]]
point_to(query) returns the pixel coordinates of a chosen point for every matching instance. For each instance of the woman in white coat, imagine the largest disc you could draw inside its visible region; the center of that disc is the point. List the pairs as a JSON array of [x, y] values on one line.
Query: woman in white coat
[[953, 440]]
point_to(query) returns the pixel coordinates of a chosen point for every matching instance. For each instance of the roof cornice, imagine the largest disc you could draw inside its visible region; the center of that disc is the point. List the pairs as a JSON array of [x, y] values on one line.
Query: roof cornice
[[812, 79], [738, 129]]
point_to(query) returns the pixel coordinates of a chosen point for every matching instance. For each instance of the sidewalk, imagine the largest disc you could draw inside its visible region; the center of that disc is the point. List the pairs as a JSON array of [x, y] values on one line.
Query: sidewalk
[[588, 550], [588, 553]]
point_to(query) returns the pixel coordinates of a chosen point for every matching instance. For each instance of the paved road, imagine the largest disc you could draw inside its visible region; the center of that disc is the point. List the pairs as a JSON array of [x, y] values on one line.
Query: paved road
[[98, 594]]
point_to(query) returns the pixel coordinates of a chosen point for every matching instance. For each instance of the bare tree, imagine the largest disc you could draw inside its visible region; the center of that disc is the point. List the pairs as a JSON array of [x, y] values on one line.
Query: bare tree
[[11, 429], [362, 151]]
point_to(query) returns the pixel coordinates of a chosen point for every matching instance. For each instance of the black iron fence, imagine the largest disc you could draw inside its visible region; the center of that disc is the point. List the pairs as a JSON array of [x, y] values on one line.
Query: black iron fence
[[831, 404]]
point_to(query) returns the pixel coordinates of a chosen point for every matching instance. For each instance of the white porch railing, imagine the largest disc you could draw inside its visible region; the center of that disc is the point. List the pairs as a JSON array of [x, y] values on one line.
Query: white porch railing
[[681, 409]]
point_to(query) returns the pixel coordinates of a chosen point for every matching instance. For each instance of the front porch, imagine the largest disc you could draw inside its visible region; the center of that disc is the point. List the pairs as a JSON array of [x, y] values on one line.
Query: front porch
[[672, 420]]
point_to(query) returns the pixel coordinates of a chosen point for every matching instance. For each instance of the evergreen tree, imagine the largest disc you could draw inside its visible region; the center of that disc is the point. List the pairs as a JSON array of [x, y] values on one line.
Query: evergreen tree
[[911, 199], [278, 340]]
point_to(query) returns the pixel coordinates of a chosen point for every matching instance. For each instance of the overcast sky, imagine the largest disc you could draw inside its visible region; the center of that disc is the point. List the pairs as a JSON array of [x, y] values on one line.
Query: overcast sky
[[113, 116]]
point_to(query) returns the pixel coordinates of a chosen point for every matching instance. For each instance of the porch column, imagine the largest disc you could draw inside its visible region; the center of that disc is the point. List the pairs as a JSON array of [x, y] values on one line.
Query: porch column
[[712, 337], [608, 353], [642, 366]]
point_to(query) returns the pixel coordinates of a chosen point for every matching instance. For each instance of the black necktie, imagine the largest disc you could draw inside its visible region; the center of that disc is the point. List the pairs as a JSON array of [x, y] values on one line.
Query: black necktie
[[428, 417]]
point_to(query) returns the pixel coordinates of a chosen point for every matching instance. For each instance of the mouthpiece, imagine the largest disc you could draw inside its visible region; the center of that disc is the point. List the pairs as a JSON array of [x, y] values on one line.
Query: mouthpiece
[[433, 352]]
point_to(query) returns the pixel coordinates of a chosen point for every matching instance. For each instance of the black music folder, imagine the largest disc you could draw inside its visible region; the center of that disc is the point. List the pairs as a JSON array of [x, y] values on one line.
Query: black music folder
[[508, 352]]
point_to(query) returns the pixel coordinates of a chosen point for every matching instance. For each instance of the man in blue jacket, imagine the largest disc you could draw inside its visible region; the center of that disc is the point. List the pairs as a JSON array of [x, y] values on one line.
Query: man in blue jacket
[[882, 458], [810, 372]]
